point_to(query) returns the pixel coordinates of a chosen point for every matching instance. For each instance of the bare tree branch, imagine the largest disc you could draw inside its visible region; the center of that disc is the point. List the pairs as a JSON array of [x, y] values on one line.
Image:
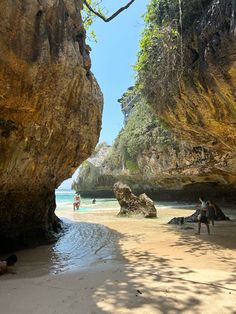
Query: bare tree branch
[[112, 16]]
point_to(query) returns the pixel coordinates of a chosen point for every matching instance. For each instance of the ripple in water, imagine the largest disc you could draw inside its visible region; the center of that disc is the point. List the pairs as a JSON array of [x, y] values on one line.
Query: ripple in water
[[83, 244], [80, 245]]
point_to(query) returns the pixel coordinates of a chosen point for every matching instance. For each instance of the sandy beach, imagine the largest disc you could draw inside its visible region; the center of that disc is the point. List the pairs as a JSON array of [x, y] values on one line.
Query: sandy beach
[[129, 265]]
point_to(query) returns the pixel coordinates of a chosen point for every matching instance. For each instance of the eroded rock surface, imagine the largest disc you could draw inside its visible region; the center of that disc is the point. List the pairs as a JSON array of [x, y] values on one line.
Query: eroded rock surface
[[50, 110], [193, 152], [132, 204], [162, 166], [200, 104]]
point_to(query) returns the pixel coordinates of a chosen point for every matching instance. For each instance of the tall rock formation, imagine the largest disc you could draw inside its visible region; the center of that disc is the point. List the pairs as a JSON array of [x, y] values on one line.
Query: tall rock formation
[[50, 111], [197, 95], [91, 178], [204, 109], [187, 73], [192, 66], [131, 204], [150, 158]]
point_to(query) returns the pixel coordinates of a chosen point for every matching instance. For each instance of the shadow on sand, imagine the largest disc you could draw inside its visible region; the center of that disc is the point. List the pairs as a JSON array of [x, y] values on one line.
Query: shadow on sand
[[132, 281]]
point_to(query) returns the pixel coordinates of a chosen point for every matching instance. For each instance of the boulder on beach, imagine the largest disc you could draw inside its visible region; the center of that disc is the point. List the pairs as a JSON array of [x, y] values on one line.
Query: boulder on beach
[[131, 204], [194, 217]]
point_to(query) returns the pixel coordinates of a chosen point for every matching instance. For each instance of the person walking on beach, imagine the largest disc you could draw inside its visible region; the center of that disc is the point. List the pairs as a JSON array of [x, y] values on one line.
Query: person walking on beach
[[76, 203], [202, 217], [212, 212]]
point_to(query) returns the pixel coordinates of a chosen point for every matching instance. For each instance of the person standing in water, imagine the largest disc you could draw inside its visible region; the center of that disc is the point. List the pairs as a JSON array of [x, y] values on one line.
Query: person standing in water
[[94, 201], [202, 217], [76, 203]]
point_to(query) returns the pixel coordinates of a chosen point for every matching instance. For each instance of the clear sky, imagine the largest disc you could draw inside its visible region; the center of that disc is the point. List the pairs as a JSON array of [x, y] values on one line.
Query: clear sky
[[112, 59]]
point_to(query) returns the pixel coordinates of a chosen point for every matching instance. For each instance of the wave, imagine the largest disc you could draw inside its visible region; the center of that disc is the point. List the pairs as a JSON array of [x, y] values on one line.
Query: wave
[[64, 192], [64, 203]]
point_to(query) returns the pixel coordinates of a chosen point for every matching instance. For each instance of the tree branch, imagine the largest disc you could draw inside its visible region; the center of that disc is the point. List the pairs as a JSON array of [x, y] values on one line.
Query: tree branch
[[112, 16]]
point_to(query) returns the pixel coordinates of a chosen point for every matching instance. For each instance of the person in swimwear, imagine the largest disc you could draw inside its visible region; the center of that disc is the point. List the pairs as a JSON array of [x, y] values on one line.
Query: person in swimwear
[[76, 203]]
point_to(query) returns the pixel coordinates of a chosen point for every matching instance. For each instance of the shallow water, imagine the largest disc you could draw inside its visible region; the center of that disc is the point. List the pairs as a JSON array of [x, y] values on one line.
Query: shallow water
[[65, 199], [80, 245]]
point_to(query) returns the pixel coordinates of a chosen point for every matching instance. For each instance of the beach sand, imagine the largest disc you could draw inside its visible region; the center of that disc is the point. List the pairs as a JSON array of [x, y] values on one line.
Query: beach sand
[[139, 266]]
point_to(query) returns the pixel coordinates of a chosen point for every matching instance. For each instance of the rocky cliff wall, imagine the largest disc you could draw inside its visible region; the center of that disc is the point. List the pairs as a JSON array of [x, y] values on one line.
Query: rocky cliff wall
[[204, 112], [187, 74], [197, 53], [176, 171], [50, 110], [150, 159]]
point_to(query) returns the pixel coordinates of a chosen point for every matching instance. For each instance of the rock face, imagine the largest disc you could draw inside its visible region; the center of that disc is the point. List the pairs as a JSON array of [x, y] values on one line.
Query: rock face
[[193, 153], [199, 100], [204, 111], [161, 165], [90, 178], [132, 204], [50, 111], [200, 107]]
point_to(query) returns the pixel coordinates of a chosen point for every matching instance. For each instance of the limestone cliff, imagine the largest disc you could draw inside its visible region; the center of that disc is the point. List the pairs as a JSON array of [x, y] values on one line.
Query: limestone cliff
[[197, 53], [91, 175], [187, 73], [50, 111], [147, 156], [204, 110]]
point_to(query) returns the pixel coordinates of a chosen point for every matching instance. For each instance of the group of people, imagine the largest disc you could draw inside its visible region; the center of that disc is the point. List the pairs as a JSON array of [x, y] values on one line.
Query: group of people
[[207, 214]]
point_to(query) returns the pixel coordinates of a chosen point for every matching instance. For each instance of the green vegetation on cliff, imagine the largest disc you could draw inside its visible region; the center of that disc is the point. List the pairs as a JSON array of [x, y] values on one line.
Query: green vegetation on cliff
[[139, 130], [143, 130], [185, 69], [160, 64]]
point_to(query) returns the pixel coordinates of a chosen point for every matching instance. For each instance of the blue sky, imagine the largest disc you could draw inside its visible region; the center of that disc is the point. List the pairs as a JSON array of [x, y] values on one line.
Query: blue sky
[[112, 59]]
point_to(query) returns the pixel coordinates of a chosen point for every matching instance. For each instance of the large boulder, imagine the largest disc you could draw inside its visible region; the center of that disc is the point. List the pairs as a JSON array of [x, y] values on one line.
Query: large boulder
[[132, 204], [50, 111], [194, 217]]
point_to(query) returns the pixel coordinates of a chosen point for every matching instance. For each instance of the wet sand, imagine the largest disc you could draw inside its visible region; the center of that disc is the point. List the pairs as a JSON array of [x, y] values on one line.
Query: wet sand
[[107, 264]]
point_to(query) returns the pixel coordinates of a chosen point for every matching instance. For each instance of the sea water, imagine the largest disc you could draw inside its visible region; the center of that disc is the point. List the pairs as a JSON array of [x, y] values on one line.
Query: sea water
[[80, 243], [65, 200]]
